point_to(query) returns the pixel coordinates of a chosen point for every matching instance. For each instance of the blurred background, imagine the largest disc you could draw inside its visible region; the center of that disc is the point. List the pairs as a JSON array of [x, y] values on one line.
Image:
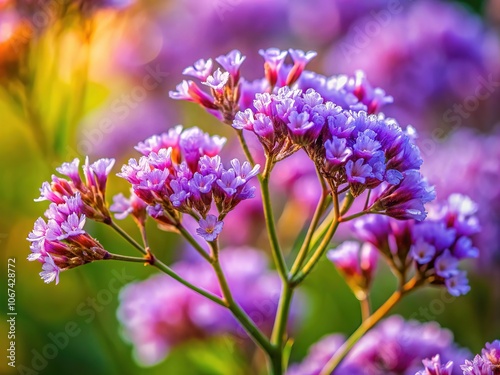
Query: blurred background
[[92, 78]]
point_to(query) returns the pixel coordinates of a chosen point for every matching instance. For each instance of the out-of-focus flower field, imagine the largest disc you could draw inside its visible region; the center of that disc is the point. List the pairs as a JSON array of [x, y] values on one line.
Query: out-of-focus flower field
[[93, 78]]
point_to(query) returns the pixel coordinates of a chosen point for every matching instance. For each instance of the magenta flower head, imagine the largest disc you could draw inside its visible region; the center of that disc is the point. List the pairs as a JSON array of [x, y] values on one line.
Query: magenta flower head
[[434, 367], [61, 243], [181, 172], [92, 191], [357, 263]]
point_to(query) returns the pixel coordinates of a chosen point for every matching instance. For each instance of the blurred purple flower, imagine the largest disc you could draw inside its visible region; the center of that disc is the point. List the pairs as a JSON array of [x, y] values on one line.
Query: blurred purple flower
[[159, 313], [428, 55], [479, 164], [434, 366], [393, 347]]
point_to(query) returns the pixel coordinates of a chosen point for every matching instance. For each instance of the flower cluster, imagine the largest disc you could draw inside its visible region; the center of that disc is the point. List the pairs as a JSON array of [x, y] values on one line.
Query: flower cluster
[[160, 313], [181, 172], [488, 363], [349, 147], [394, 346], [229, 93], [224, 86], [61, 242], [333, 120], [433, 247], [92, 191]]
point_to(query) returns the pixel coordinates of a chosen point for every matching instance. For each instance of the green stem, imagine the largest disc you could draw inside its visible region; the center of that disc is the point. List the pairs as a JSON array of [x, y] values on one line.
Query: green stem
[[127, 258], [365, 306], [311, 263], [244, 146], [280, 323], [144, 236], [279, 260], [373, 319], [163, 267], [304, 249], [235, 308], [193, 242], [353, 216], [318, 253], [125, 235]]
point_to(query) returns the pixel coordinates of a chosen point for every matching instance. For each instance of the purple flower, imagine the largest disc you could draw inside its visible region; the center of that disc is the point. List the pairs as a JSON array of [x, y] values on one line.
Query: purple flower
[[478, 366], [73, 226], [423, 252], [97, 173], [244, 120], [217, 80], [182, 172], [488, 363], [263, 127], [229, 182], [375, 229], [337, 152], [346, 258], [50, 272], [491, 351], [274, 59], [357, 171], [302, 130], [210, 228], [479, 161], [188, 90], [232, 63], [446, 264], [134, 206], [300, 60], [434, 367], [457, 284], [71, 170], [181, 194], [201, 69], [405, 200], [202, 184]]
